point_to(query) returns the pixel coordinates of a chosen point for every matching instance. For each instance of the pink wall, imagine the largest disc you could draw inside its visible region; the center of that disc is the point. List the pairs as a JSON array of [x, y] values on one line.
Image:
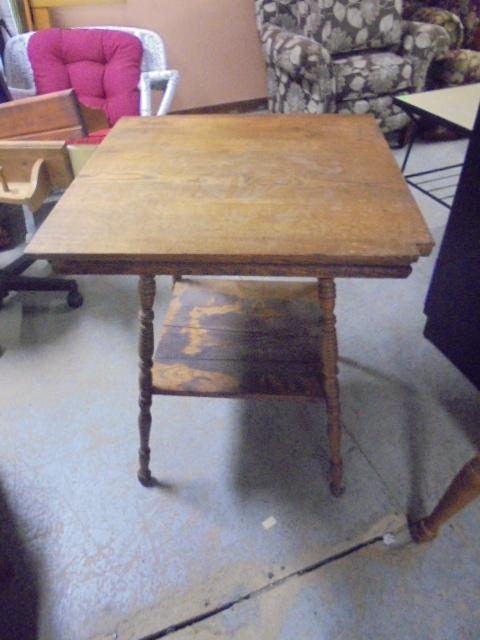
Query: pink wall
[[213, 43]]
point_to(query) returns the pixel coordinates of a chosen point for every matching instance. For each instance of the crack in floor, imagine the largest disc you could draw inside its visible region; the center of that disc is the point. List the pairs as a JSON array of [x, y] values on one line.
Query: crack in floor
[[391, 496], [271, 585]]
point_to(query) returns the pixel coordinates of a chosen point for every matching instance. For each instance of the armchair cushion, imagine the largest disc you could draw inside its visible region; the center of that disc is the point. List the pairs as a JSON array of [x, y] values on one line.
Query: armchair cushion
[[355, 25], [460, 66], [371, 74], [96, 137], [102, 66]]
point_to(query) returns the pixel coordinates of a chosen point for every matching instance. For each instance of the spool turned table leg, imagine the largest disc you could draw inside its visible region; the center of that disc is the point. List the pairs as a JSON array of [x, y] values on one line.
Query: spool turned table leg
[[146, 290], [329, 349], [176, 278], [465, 488]]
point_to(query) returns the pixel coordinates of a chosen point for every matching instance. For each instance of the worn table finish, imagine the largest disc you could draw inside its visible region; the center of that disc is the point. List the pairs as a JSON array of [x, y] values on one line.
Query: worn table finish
[[309, 196]]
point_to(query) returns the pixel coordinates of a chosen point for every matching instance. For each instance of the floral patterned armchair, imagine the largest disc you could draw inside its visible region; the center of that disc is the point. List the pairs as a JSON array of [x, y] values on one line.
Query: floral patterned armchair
[[461, 19], [345, 56]]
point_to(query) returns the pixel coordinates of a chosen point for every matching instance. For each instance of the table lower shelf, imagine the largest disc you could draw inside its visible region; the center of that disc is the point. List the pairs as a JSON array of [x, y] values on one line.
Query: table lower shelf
[[239, 338]]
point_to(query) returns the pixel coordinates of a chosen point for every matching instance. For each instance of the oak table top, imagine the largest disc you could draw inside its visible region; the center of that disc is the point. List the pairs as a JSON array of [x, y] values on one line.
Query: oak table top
[[207, 192]]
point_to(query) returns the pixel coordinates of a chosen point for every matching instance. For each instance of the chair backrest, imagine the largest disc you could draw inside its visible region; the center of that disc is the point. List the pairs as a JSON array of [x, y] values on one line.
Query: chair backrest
[[101, 65], [291, 16], [340, 25], [468, 11], [19, 73]]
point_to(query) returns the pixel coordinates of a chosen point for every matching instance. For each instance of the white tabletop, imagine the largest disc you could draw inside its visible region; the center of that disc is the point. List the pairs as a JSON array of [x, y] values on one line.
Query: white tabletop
[[457, 105]]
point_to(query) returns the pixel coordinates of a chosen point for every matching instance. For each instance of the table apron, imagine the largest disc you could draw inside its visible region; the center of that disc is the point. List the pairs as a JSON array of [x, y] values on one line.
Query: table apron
[[232, 269]]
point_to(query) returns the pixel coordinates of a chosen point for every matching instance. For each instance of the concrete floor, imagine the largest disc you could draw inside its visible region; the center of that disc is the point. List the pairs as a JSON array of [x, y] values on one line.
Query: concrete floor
[[98, 556]]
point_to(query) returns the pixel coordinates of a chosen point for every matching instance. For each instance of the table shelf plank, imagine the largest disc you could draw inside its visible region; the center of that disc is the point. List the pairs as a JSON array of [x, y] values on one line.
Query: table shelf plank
[[233, 338]]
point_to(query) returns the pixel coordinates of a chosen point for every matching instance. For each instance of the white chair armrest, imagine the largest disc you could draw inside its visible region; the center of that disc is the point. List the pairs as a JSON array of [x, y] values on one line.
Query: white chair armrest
[[166, 80], [18, 94]]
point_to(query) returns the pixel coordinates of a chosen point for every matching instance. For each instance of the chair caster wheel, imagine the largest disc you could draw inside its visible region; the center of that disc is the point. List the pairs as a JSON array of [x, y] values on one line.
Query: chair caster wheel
[[74, 299]]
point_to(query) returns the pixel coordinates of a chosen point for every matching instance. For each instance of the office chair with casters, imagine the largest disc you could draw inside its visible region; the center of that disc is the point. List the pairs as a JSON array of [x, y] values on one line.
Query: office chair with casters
[[12, 280], [29, 172]]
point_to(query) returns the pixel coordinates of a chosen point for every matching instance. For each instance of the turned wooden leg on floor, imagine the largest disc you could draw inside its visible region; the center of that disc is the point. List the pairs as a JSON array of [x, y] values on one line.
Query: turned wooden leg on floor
[[145, 350], [464, 488], [326, 293], [176, 278]]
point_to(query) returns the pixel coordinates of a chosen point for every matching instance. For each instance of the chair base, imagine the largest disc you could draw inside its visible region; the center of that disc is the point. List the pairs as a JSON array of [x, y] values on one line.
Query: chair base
[[12, 280]]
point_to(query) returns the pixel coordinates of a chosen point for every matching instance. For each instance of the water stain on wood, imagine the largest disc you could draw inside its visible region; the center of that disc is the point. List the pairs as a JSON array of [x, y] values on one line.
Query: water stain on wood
[[237, 338]]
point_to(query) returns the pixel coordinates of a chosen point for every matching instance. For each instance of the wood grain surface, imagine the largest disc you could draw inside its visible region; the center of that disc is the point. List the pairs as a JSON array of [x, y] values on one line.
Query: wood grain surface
[[30, 171], [18, 157], [237, 338], [256, 190], [33, 193], [53, 116]]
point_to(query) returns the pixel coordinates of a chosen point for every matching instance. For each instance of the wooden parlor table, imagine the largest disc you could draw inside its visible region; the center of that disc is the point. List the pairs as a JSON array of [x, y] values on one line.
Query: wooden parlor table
[[281, 196]]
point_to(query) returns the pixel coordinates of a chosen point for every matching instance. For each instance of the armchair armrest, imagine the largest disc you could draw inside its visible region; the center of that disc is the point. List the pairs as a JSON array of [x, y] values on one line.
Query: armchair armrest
[[443, 18], [295, 54], [423, 43], [166, 80]]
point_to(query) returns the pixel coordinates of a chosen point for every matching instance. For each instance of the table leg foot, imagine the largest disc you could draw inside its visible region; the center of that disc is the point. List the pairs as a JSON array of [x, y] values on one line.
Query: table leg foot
[[420, 532], [464, 489], [145, 478], [336, 479], [145, 350], [326, 293]]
